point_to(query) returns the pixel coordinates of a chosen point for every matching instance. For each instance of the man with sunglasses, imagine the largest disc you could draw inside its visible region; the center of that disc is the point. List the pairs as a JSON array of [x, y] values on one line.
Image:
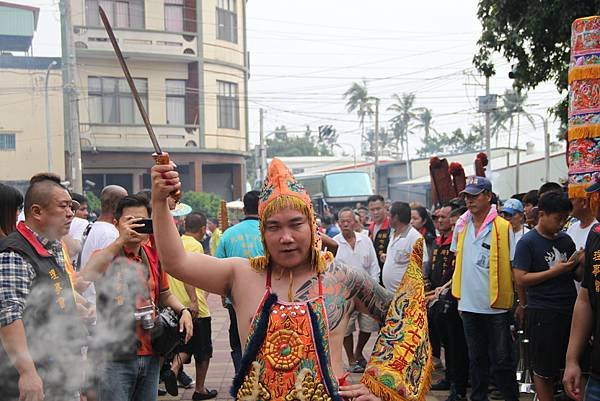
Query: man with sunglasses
[[484, 244], [40, 331]]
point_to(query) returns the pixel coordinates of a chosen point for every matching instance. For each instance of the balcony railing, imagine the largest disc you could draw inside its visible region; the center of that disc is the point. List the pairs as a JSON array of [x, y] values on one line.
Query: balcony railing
[[146, 44], [135, 136]]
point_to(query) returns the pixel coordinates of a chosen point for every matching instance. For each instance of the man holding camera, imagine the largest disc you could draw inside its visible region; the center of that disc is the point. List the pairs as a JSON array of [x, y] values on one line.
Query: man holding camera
[[129, 283]]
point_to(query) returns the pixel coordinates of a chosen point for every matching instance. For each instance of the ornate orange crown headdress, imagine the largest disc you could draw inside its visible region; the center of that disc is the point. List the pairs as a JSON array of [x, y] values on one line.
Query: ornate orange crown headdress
[[281, 191]]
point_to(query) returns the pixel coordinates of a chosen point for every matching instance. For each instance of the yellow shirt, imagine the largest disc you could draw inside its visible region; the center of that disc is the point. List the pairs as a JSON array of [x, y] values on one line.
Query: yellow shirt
[[177, 288], [214, 240]]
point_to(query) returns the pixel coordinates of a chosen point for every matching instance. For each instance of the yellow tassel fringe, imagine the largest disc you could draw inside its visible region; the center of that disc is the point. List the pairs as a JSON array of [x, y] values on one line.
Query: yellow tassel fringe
[[580, 73], [583, 131], [578, 190]]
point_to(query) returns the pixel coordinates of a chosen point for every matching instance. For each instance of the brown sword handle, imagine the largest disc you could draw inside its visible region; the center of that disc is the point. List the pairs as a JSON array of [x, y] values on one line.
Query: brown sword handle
[[163, 159]]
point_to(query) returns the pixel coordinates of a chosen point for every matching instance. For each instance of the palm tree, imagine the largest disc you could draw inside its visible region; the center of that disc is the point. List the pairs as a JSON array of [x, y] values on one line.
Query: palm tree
[[514, 101], [425, 119], [405, 114], [498, 124], [358, 99], [398, 136]]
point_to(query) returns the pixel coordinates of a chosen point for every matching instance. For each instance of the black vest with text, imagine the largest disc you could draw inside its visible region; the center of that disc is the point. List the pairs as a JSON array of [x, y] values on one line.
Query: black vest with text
[[54, 331]]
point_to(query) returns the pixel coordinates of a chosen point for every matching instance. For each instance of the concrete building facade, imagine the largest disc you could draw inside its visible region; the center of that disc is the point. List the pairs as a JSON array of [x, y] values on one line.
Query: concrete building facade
[[28, 143], [24, 149], [188, 59]]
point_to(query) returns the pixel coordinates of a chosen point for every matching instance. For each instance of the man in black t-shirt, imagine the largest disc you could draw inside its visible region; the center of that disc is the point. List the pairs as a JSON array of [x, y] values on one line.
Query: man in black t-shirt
[[543, 268], [586, 324]]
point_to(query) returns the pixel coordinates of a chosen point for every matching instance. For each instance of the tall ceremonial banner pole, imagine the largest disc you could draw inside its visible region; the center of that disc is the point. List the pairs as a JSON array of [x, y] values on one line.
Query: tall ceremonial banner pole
[[583, 135], [159, 156]]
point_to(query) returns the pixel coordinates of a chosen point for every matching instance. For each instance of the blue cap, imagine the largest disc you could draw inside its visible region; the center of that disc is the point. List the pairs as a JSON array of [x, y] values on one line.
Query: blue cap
[[476, 185], [512, 206]]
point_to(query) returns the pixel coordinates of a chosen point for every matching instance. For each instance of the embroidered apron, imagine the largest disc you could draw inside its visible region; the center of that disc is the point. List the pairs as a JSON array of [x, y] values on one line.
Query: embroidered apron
[[287, 353]]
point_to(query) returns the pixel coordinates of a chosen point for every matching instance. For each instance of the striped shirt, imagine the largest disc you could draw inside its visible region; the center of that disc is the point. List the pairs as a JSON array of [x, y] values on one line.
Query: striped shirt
[[16, 278]]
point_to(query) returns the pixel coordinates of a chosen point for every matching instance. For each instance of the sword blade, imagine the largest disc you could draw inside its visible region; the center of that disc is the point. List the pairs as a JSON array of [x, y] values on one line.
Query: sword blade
[[134, 92]]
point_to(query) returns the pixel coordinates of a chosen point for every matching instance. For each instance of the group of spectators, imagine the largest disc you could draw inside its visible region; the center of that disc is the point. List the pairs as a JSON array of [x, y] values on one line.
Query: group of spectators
[[490, 268], [55, 265]]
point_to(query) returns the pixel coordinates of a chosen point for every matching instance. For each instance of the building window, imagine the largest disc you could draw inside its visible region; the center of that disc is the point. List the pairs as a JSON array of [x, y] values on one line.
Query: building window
[[174, 15], [228, 105], [110, 100], [8, 142], [226, 21], [175, 101], [120, 13]]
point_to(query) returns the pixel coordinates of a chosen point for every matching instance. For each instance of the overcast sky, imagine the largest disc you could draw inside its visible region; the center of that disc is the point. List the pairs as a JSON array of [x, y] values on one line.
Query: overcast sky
[[305, 54]]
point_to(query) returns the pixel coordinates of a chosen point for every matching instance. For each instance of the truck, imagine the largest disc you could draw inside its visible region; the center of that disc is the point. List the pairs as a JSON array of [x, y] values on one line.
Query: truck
[[335, 190]]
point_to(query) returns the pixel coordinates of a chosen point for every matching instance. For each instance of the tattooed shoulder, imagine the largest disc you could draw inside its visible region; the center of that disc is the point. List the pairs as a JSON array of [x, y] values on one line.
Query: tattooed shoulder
[[345, 287]]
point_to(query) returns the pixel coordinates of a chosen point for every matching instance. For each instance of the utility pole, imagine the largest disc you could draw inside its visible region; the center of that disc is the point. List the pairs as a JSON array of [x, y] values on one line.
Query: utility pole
[[262, 151], [488, 146], [47, 111], [376, 147], [547, 149], [70, 105]]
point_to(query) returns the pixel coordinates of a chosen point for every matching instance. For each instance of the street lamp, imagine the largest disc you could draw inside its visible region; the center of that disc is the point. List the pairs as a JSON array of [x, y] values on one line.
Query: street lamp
[[339, 145], [47, 107]]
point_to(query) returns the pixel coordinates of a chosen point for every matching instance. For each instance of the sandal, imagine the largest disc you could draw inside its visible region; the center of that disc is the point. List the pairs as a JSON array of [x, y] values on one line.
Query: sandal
[[204, 396]]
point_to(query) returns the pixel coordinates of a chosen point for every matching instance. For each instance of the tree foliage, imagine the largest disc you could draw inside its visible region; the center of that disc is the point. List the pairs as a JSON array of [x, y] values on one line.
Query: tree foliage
[[455, 142], [319, 144], [405, 115], [93, 201], [358, 100], [534, 36], [203, 202], [425, 121]]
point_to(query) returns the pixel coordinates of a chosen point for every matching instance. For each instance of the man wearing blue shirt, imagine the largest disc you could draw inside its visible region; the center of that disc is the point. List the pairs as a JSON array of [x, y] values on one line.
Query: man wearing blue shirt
[[242, 240], [542, 266]]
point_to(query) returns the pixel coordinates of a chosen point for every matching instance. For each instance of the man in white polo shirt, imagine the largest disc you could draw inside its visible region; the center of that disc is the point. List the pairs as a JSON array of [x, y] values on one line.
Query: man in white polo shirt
[[356, 250], [402, 239]]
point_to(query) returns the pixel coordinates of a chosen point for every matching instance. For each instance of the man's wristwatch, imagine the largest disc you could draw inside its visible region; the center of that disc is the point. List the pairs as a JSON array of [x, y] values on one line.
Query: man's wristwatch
[[185, 309]]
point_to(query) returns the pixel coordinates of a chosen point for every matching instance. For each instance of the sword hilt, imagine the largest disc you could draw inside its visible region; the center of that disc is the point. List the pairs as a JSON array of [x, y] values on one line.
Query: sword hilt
[[163, 159]]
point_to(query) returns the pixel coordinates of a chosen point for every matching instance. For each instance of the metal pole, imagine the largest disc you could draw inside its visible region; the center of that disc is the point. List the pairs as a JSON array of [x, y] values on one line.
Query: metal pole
[[73, 148], [547, 149], [262, 150], [488, 148], [376, 147], [518, 166], [47, 107]]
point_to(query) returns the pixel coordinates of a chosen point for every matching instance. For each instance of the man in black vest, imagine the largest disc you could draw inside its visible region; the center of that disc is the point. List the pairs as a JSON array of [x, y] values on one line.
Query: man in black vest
[[379, 229], [40, 330]]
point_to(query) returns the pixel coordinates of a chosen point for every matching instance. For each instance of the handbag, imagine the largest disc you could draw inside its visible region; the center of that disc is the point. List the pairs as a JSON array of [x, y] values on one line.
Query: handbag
[[165, 335]]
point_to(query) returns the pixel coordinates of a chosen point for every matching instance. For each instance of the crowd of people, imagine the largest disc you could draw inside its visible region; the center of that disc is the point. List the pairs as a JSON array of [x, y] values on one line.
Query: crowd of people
[[489, 267]]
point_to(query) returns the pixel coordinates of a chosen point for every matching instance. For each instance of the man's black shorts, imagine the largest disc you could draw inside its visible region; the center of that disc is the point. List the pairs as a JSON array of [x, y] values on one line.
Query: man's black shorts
[[549, 335], [200, 345]]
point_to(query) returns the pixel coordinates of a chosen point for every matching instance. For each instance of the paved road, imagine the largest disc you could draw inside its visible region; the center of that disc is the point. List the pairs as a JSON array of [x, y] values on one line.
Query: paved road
[[221, 369]]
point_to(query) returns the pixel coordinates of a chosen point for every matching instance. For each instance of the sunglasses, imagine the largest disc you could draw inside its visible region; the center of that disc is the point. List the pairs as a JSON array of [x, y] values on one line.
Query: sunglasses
[[75, 205]]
